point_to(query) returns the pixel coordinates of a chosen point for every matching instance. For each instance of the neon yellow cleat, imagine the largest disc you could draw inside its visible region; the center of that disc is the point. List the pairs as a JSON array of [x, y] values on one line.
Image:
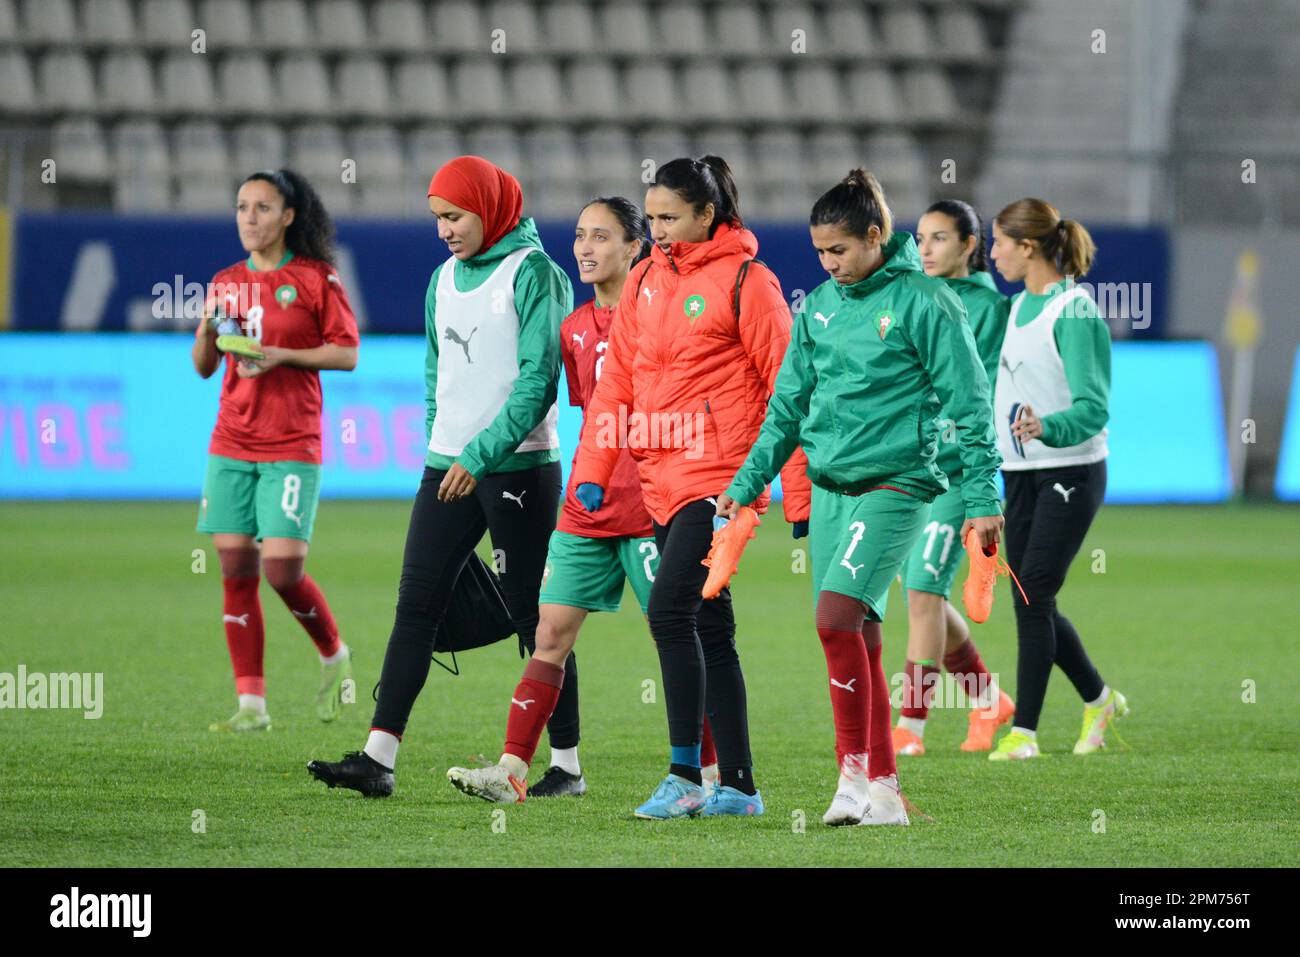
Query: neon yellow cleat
[[329, 699], [1015, 746], [245, 719], [1092, 738]]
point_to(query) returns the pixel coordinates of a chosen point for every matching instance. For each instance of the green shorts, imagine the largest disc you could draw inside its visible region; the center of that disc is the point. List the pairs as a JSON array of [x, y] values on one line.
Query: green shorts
[[859, 542], [262, 499], [589, 572], [935, 558]]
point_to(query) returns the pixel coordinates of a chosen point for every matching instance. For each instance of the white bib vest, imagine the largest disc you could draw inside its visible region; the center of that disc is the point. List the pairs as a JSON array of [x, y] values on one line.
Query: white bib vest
[[1030, 372], [478, 363]]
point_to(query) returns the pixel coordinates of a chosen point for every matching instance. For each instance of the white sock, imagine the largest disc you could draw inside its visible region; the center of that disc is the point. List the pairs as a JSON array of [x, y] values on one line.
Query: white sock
[[1029, 733], [853, 774], [336, 657], [254, 702], [915, 725], [516, 765], [889, 780], [710, 773], [566, 759], [382, 748], [985, 701], [1105, 693]]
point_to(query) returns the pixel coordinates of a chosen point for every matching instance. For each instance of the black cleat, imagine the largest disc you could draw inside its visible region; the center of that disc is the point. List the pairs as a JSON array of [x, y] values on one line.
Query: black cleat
[[358, 771], [557, 782]]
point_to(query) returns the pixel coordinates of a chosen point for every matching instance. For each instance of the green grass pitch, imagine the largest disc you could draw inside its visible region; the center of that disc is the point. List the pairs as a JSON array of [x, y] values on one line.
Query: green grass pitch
[[1190, 614]]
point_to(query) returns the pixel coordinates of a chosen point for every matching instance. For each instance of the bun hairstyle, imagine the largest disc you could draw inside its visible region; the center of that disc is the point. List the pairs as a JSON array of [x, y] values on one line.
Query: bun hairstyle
[[311, 234], [1064, 242], [703, 181], [968, 224], [632, 220], [855, 204]]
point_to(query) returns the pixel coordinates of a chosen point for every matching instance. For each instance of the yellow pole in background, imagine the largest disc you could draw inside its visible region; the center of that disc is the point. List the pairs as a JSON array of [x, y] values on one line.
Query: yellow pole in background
[[1241, 328]]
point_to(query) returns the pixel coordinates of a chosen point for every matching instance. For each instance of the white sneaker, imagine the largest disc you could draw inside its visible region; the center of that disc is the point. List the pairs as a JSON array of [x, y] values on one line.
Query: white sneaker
[[852, 796], [885, 804], [495, 784]]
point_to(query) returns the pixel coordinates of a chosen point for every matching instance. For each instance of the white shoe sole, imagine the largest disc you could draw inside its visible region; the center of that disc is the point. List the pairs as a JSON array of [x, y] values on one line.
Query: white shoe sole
[[460, 779]]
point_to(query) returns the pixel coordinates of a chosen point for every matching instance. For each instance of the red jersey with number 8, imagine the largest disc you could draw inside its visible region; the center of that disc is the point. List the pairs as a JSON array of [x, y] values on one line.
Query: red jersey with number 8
[[584, 337], [301, 304]]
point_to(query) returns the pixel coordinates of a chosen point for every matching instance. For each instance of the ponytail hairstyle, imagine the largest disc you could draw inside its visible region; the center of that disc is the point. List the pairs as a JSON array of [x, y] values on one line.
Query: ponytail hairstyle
[[1064, 242], [311, 234], [632, 220], [703, 181], [968, 224], [855, 204]]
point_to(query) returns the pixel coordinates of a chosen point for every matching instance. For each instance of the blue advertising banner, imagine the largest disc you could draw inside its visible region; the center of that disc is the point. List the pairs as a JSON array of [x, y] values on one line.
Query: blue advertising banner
[[1288, 465], [125, 416]]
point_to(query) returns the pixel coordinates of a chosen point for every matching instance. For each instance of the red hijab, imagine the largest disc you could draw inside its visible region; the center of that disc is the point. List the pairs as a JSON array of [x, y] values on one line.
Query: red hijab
[[486, 190]]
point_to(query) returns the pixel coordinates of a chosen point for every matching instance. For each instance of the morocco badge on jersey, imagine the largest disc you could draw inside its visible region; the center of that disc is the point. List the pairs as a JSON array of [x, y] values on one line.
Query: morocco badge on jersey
[[584, 337], [301, 304]]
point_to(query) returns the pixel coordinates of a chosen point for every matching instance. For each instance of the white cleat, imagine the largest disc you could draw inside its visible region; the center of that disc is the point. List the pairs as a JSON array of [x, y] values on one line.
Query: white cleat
[[710, 779], [852, 797], [885, 802], [493, 783]]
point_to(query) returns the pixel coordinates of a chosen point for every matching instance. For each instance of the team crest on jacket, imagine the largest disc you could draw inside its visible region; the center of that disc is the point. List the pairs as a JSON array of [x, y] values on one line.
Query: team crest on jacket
[[883, 322], [693, 307], [285, 295]]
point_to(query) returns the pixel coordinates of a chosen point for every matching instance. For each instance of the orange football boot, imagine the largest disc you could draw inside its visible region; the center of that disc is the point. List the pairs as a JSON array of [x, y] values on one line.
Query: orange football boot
[[979, 737], [728, 544], [985, 567]]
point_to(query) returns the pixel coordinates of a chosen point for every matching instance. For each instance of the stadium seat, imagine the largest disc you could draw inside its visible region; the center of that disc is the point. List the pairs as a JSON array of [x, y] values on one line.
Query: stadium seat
[[104, 23], [167, 23], [557, 201], [831, 153], [928, 95], [8, 22], [259, 145], [206, 194], [49, 21], [662, 144], [518, 20], [779, 201], [875, 94], [17, 86], [282, 24], [126, 84], [684, 29], [625, 28], [399, 25], [611, 164], [362, 87], [817, 93], [733, 146], [648, 91], [899, 164], [140, 192], [66, 82], [340, 198], [593, 90], [185, 84], [140, 150], [569, 27], [386, 199], [428, 148], [377, 148], [229, 24], [848, 31], [500, 144], [534, 90], [246, 86], [420, 90], [199, 149], [709, 95], [479, 89], [303, 86], [760, 92], [317, 151], [784, 19], [960, 33], [738, 29], [778, 157], [340, 25], [80, 152], [553, 154], [906, 33], [457, 27]]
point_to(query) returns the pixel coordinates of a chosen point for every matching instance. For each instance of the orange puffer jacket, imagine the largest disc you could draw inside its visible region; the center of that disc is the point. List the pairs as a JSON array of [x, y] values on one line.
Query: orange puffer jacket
[[684, 385]]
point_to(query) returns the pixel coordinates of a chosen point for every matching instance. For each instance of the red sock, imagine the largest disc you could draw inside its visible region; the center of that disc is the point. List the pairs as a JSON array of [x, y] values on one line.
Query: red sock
[[531, 707], [708, 753], [305, 600], [838, 620], [242, 614], [880, 740], [966, 666], [918, 688]]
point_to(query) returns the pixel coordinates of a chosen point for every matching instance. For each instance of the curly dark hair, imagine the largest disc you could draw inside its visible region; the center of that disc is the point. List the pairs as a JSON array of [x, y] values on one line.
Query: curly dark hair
[[311, 233]]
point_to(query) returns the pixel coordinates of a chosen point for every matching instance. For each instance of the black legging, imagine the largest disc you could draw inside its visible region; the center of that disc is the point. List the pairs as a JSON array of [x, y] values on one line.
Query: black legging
[[696, 640], [440, 538], [1048, 515]]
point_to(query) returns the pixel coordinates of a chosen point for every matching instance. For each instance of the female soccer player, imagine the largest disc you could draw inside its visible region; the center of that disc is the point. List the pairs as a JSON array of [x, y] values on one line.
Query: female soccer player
[[590, 556], [263, 478], [950, 240], [695, 347], [876, 351], [492, 318], [1050, 407]]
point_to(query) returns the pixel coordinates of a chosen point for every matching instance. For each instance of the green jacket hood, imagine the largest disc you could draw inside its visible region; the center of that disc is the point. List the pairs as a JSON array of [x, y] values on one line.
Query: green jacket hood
[[982, 279], [900, 257], [524, 234]]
